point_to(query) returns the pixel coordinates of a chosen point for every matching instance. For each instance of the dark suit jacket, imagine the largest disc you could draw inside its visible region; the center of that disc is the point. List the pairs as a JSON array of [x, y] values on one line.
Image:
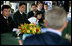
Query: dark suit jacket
[[47, 38], [30, 14], [20, 18], [4, 26]]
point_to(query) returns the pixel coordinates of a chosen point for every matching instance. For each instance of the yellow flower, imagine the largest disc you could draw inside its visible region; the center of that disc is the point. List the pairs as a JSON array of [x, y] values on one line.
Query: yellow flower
[[30, 28], [31, 24], [28, 31], [33, 31], [23, 30], [22, 25], [34, 23]]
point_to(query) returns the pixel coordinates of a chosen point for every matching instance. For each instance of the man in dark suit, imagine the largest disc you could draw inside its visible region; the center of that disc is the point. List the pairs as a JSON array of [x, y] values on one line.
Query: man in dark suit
[[20, 17], [6, 22], [55, 21], [33, 12]]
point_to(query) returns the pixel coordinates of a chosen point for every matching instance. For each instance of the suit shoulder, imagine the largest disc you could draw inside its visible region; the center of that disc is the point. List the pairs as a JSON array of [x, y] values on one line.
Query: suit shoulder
[[17, 12], [30, 12]]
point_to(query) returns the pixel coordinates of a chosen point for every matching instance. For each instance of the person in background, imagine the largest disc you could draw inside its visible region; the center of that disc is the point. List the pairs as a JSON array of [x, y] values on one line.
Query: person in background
[[39, 8], [6, 22], [36, 18], [69, 13], [67, 31], [45, 8], [19, 16], [33, 11], [55, 21]]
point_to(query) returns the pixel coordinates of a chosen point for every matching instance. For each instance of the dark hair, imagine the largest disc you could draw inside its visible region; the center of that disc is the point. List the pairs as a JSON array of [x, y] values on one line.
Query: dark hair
[[46, 4], [39, 2], [33, 4], [20, 4], [5, 7], [38, 12]]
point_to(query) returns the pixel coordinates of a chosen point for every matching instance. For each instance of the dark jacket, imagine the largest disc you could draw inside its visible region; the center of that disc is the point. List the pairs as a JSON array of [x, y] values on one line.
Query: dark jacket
[[20, 18], [6, 27], [47, 38], [31, 14]]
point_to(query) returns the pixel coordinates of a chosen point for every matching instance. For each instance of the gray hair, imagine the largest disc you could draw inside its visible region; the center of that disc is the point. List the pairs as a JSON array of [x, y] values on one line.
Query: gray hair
[[56, 17]]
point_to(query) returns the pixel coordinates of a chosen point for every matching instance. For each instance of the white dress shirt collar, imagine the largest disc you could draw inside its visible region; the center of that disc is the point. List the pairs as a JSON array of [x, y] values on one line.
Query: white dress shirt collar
[[46, 10], [54, 31], [39, 9], [5, 17], [20, 12], [33, 11]]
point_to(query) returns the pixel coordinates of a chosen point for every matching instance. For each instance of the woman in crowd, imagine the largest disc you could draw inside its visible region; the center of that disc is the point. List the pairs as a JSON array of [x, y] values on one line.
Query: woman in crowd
[[37, 18]]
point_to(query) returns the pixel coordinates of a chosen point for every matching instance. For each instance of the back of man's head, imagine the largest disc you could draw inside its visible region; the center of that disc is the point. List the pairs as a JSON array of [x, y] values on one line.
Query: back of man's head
[[56, 17]]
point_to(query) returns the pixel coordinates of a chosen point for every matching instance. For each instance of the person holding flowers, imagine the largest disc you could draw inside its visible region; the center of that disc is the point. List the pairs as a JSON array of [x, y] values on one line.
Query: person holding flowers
[[20, 17]]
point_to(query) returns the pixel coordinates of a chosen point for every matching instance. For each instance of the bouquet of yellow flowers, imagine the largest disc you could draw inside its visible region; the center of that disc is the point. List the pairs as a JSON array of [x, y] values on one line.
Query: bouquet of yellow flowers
[[29, 28]]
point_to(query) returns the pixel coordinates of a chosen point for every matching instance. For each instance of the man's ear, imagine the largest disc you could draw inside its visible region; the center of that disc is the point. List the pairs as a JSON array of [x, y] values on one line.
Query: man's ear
[[45, 23], [64, 26]]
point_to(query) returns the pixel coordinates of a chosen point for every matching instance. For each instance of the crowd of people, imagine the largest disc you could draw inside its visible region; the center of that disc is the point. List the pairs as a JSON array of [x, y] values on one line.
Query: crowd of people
[[19, 17], [54, 20]]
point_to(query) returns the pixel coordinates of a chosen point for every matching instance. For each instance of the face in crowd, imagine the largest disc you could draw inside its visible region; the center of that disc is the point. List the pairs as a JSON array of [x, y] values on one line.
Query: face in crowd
[[33, 8], [22, 8], [39, 16], [46, 7], [40, 6], [6, 10]]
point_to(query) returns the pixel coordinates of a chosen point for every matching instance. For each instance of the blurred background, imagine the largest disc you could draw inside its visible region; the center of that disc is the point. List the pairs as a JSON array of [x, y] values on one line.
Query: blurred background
[[14, 4]]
